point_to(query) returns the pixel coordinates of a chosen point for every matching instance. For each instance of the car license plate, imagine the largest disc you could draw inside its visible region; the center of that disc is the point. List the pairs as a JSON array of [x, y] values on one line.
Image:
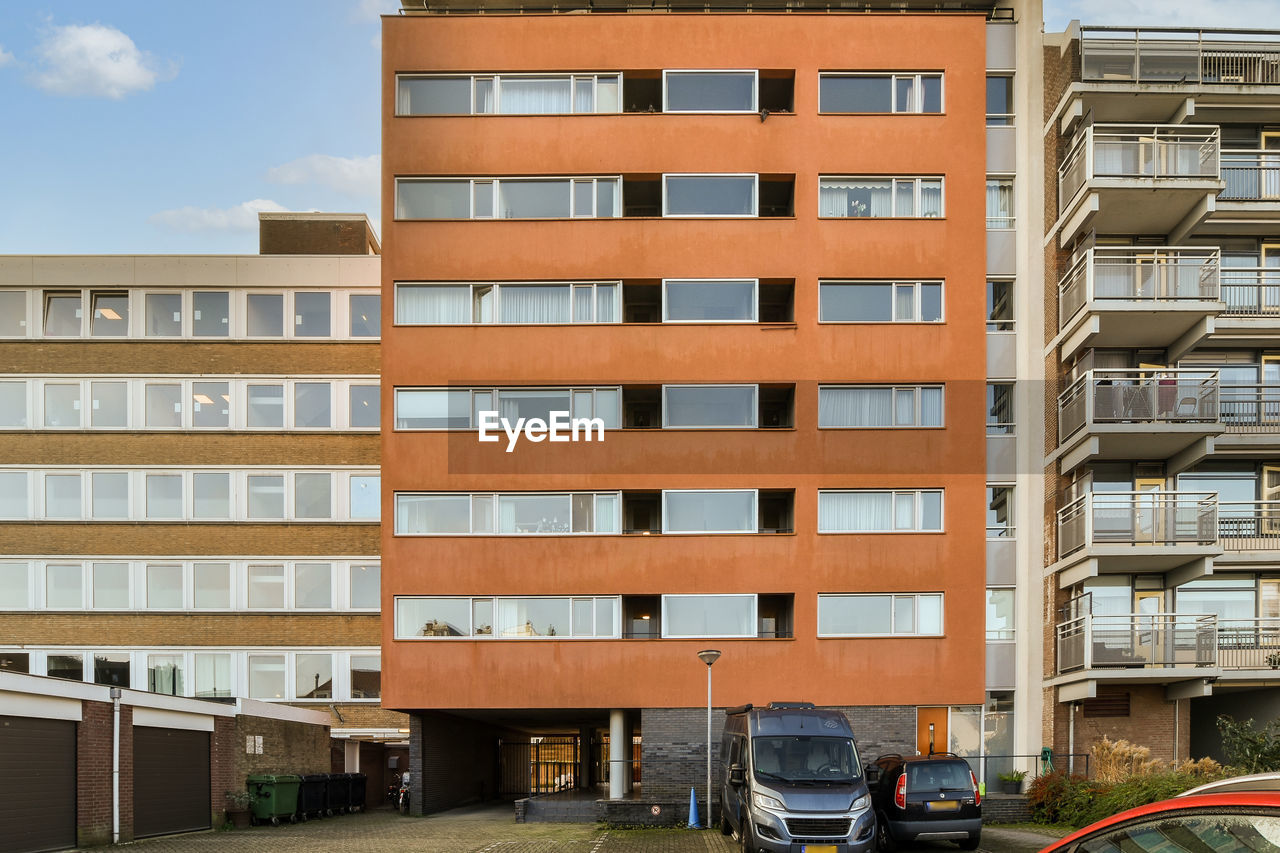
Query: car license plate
[[818, 848], [942, 806]]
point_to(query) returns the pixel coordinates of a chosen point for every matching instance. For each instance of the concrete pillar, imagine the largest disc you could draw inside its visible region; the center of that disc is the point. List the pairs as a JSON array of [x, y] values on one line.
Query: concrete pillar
[[619, 755], [351, 756]]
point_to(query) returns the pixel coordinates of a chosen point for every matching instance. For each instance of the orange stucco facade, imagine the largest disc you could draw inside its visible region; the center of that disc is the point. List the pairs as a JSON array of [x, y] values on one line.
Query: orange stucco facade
[[463, 674]]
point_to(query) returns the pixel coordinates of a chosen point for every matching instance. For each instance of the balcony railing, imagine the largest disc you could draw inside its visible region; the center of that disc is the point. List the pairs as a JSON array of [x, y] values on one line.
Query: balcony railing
[[1251, 175], [1139, 151], [1249, 525], [1250, 408], [1137, 640], [1157, 275], [1138, 518], [1251, 291], [1166, 55], [1247, 643], [1139, 397]]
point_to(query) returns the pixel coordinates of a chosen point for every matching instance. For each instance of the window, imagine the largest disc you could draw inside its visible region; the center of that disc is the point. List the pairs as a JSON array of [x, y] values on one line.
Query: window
[[709, 300], [435, 617], [880, 93], [63, 586], [869, 511], [266, 496], [363, 410], [164, 587], [459, 408], [879, 406], [162, 315], [507, 94], [999, 512], [266, 406], [163, 406], [110, 494], [109, 405], [999, 101], [13, 405], [1000, 408], [508, 198], [62, 405], [513, 302], [709, 195], [879, 615], [1000, 213], [313, 676], [266, 677], [210, 405], [111, 668], [14, 501], [68, 666], [366, 587], [110, 316], [213, 675], [508, 618], [709, 406], [708, 616], [366, 676], [211, 314], [62, 496], [311, 314], [14, 586], [693, 511], [880, 302], [264, 315], [1000, 624], [165, 675], [110, 586], [999, 306], [211, 586], [313, 586], [365, 315], [709, 91], [365, 498], [311, 408], [266, 587], [62, 314], [433, 409], [520, 514], [11, 661], [13, 313], [164, 496], [880, 197]]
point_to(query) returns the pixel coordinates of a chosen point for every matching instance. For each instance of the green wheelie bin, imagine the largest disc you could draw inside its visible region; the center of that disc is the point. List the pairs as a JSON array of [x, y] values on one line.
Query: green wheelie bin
[[275, 798]]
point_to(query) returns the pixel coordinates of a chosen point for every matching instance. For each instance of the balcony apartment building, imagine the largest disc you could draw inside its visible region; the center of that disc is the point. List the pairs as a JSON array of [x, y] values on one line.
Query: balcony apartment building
[[189, 474], [1163, 187], [752, 240]]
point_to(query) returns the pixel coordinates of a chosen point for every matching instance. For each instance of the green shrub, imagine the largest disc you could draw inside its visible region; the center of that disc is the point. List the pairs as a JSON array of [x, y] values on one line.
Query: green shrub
[[1248, 749], [1077, 801]]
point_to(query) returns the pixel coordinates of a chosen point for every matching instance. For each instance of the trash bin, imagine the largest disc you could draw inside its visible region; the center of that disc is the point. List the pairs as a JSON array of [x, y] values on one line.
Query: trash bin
[[358, 784], [311, 795], [337, 792], [275, 798]]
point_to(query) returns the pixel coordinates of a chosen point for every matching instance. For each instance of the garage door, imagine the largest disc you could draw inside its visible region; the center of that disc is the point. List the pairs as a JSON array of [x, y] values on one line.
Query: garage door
[[170, 781], [37, 784]]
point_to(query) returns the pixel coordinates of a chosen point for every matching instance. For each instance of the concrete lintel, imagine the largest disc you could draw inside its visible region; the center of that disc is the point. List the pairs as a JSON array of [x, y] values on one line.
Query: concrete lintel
[[1184, 459], [1202, 211], [1193, 689], [1078, 690], [1186, 112], [1084, 211], [1081, 334], [1081, 453], [1073, 113], [1078, 573], [1196, 569], [1191, 338]]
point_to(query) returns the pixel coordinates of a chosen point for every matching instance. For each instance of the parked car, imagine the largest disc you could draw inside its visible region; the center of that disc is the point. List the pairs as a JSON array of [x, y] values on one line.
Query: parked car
[[1252, 782], [925, 798], [1236, 820]]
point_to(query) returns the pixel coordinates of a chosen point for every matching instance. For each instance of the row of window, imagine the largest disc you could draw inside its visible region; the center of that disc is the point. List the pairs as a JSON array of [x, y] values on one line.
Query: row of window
[[678, 511], [165, 494], [114, 312], [173, 403], [158, 583], [271, 675], [718, 300], [676, 91], [677, 617], [682, 406], [681, 195]]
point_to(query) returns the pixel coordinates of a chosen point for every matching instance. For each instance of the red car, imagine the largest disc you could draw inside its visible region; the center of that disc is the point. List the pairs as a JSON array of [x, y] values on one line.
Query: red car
[[1246, 821]]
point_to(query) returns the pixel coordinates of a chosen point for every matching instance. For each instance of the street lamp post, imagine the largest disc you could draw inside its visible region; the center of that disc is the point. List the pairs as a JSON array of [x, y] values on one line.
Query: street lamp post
[[709, 656]]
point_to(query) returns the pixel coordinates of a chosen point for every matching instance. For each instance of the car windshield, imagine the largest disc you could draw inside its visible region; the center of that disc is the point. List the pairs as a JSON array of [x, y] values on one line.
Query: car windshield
[[938, 776], [806, 759]]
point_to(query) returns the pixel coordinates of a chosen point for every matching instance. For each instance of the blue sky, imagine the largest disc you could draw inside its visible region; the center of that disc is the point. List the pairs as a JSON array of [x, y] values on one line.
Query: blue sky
[[138, 127]]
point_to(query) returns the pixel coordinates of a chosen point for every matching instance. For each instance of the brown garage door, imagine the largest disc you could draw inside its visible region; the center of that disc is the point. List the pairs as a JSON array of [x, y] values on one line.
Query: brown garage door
[[170, 781], [37, 784]]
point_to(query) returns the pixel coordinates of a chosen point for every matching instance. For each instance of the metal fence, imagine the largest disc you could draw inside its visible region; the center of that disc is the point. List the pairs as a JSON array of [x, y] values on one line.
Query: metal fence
[[1179, 55]]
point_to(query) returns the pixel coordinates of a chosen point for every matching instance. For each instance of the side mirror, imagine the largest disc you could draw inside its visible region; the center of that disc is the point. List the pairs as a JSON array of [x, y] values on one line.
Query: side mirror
[[872, 774], [737, 775]]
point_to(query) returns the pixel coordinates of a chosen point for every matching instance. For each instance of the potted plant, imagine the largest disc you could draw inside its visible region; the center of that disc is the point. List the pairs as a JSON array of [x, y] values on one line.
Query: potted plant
[[240, 808], [1273, 660], [1011, 782]]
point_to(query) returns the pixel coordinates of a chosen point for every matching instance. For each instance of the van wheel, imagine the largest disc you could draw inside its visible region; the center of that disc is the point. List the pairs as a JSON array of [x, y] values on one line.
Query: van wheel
[[747, 836], [884, 838], [971, 843]]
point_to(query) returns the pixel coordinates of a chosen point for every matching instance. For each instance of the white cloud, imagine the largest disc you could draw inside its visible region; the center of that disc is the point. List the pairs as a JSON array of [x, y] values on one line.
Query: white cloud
[[242, 217], [353, 176], [5, 57], [97, 61], [1162, 13]]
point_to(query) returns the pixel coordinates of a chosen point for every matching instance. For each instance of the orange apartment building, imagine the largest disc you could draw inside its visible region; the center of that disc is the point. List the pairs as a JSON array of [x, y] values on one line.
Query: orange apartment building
[[752, 244]]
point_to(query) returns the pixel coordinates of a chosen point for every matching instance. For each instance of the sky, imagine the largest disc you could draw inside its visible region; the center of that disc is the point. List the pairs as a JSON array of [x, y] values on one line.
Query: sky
[[148, 127]]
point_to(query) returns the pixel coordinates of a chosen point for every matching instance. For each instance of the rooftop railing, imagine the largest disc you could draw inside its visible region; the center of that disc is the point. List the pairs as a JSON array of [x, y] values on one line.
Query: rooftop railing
[[1173, 55], [1158, 275], [1139, 397], [1139, 151], [1138, 518]]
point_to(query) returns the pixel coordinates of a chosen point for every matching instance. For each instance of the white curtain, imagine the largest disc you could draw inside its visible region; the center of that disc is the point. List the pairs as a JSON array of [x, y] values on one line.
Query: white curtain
[[535, 304], [433, 304], [854, 197], [536, 95], [851, 512], [904, 302], [583, 304], [930, 407], [607, 303], [855, 407], [999, 204]]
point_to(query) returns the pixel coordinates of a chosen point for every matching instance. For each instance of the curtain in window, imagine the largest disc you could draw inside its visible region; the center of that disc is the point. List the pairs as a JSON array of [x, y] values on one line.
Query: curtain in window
[[904, 302], [166, 676], [930, 198], [536, 96], [855, 407], [931, 407], [999, 204], [524, 304], [854, 511], [583, 300], [433, 305], [607, 303], [855, 197]]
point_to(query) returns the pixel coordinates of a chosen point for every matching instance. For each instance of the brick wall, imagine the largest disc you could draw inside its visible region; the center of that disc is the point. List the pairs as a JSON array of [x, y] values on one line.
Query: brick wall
[[94, 736], [292, 357], [361, 716], [180, 538], [1154, 722], [224, 741], [211, 629], [177, 448], [327, 236], [453, 761], [287, 747]]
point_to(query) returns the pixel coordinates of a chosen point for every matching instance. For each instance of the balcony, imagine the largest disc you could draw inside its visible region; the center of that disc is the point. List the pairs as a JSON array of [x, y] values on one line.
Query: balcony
[[1250, 416], [1128, 532], [1165, 297], [1137, 640], [1249, 532], [1139, 179], [1144, 414], [1206, 57], [1249, 203]]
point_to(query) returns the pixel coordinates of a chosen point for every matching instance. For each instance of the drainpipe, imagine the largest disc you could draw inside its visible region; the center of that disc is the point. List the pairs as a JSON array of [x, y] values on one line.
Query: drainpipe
[[115, 765], [1071, 739]]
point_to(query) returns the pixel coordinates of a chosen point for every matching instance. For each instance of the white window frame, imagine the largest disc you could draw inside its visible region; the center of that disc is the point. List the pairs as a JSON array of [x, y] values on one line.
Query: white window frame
[[573, 77], [755, 302], [471, 635], [917, 511], [496, 400], [1007, 635], [893, 195], [494, 185], [892, 284], [917, 105], [667, 634], [942, 614], [498, 286], [25, 322], [755, 406], [755, 90], [894, 390], [755, 513], [496, 498], [755, 195], [29, 603]]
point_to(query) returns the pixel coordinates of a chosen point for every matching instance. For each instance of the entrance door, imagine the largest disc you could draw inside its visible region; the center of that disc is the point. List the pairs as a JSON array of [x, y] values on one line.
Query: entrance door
[[931, 730], [1149, 630], [1150, 522]]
